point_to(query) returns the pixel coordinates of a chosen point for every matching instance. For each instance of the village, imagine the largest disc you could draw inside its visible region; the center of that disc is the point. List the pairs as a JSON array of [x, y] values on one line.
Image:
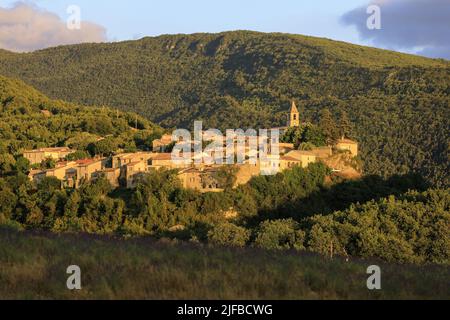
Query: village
[[127, 169]]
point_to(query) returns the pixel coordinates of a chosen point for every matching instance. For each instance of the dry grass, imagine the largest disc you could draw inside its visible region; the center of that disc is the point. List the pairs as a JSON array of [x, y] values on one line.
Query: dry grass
[[33, 265]]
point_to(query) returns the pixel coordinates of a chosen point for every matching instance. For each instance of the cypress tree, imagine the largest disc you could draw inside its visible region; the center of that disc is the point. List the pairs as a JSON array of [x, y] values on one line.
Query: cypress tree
[[328, 125], [345, 126]]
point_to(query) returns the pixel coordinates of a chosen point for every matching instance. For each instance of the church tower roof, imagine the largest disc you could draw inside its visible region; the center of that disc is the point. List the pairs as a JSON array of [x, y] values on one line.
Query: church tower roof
[[293, 108], [293, 116]]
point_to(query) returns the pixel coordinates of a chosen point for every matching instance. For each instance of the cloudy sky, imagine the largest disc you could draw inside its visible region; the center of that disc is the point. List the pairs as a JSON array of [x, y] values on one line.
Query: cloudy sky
[[413, 26]]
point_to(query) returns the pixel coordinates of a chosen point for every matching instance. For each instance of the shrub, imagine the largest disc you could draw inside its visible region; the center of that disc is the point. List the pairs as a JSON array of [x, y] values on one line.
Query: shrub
[[228, 234], [280, 234], [78, 155]]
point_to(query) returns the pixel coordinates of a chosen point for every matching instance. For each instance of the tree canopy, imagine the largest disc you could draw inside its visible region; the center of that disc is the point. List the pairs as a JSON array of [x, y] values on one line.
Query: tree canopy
[[396, 103]]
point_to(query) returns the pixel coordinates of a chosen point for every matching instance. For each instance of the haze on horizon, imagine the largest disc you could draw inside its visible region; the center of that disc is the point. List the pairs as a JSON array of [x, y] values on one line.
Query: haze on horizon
[[412, 26]]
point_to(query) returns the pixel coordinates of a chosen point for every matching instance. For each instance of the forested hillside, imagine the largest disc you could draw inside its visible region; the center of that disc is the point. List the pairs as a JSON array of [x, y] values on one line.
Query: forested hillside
[[31, 120], [301, 208], [399, 103]]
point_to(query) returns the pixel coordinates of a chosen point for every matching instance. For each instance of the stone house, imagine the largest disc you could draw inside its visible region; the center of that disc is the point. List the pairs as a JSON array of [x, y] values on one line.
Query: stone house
[[322, 152], [247, 171], [164, 160], [200, 179], [60, 172], [72, 173], [133, 171], [111, 174], [38, 155], [304, 157], [348, 145], [161, 145], [122, 159]]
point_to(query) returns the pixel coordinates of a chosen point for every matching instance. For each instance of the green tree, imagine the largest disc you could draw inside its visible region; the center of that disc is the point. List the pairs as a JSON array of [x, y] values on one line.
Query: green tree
[[306, 146], [244, 201], [314, 135], [226, 176], [280, 234], [78, 155], [104, 147], [8, 201], [81, 140], [101, 125], [48, 163], [22, 165], [345, 126], [293, 135], [328, 126], [228, 234], [72, 205], [7, 163], [49, 184]]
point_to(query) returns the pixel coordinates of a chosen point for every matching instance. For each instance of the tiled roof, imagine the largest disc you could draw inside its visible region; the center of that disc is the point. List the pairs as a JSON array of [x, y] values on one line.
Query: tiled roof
[[163, 156], [287, 158], [293, 108], [85, 162], [347, 141], [165, 139], [59, 149], [34, 172], [300, 153], [288, 145], [131, 164]]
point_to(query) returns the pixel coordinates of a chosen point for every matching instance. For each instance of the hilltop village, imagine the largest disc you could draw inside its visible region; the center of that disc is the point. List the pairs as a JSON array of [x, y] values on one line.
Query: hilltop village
[[126, 169]]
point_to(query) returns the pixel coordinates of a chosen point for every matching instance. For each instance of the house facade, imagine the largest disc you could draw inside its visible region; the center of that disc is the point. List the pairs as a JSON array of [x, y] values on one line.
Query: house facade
[[348, 145], [72, 174], [38, 155], [127, 169]]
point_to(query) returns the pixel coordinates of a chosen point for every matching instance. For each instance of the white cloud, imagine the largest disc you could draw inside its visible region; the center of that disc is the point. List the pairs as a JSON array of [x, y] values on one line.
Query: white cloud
[[25, 27]]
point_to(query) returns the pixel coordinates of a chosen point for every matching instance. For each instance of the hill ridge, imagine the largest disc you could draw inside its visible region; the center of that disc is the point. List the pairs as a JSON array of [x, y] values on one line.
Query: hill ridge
[[316, 40], [398, 103]]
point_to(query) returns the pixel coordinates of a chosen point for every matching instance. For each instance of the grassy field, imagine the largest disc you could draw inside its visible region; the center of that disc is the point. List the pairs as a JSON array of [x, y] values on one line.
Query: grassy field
[[33, 266]]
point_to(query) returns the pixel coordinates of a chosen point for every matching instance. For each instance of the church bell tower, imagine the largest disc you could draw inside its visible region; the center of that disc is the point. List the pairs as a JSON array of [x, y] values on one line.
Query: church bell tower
[[294, 116]]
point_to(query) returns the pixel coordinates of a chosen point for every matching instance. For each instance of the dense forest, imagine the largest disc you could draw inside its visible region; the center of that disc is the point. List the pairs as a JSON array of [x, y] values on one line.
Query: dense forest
[[397, 103], [392, 213], [31, 120], [295, 209], [396, 218]]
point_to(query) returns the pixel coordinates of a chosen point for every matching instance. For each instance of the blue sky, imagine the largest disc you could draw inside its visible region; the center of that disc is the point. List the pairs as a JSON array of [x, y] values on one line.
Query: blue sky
[[137, 18], [129, 19]]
